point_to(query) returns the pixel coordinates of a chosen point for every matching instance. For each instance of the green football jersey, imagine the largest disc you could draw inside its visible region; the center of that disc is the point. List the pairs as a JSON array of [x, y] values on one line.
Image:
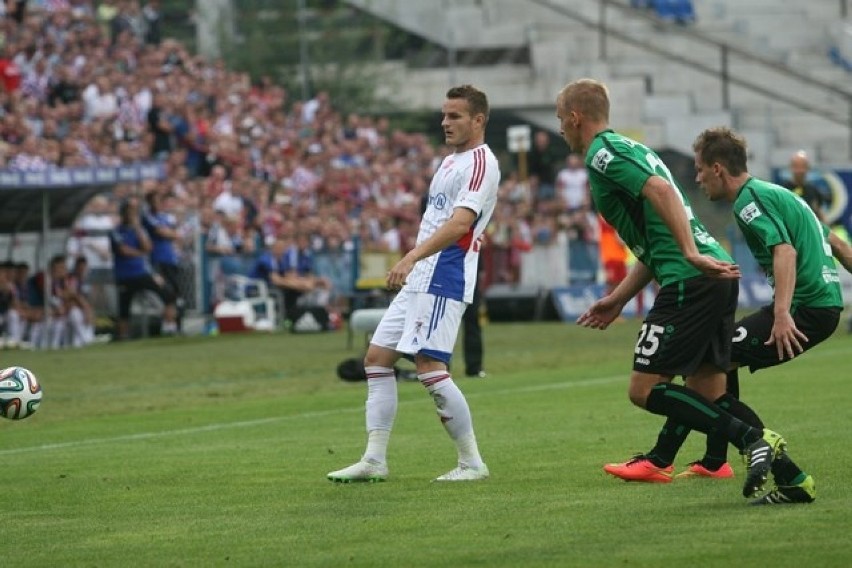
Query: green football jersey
[[769, 215], [618, 169]]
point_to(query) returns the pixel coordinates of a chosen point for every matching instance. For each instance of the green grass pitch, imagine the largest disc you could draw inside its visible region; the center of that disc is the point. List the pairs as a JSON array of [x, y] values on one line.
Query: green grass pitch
[[212, 451]]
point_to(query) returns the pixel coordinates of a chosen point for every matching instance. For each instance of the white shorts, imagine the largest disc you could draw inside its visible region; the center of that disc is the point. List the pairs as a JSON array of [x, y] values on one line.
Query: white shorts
[[418, 322]]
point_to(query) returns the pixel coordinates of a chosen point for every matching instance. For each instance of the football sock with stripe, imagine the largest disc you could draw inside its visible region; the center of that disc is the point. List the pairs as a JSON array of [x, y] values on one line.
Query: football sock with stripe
[[380, 411], [454, 413], [786, 472], [717, 446], [689, 408], [669, 440]]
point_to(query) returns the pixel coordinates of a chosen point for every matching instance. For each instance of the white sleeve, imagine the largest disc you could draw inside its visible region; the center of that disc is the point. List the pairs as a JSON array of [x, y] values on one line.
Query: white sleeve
[[478, 181]]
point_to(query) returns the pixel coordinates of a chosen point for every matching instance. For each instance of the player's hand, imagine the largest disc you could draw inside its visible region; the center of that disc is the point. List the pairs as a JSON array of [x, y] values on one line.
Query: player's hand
[[397, 275], [714, 267], [786, 337], [601, 313]]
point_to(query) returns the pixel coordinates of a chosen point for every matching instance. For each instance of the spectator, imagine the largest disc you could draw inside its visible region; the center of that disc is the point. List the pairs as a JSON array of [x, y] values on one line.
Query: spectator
[[130, 247], [572, 186], [107, 10], [152, 16], [162, 229], [160, 127], [100, 99], [543, 161], [10, 315], [63, 87], [270, 268], [10, 73], [49, 333], [81, 316], [90, 237], [16, 10], [799, 184], [297, 264]]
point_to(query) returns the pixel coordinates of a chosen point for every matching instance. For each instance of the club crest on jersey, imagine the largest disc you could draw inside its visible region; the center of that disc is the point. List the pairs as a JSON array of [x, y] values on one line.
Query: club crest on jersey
[[438, 201], [749, 213], [601, 160]]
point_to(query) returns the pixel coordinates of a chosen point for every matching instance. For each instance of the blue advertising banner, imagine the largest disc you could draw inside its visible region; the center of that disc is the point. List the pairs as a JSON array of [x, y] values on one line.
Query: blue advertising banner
[[70, 177]]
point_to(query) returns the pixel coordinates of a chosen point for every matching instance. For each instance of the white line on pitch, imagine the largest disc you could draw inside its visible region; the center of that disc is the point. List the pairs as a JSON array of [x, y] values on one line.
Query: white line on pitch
[[261, 421]]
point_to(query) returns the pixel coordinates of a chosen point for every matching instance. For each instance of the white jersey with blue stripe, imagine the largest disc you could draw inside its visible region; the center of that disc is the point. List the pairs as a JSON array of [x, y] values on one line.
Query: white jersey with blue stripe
[[466, 179]]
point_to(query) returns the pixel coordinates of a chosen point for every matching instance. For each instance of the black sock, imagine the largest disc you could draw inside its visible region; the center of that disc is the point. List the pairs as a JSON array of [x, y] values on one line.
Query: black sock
[[733, 383], [694, 411], [669, 441], [786, 472], [738, 409], [717, 445]]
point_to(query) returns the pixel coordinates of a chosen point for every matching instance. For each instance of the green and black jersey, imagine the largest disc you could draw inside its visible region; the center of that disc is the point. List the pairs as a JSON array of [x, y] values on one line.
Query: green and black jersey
[[769, 215], [618, 169]]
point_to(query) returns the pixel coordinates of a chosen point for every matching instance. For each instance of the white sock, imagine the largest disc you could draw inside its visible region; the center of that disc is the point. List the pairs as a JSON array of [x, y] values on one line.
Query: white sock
[[14, 326], [454, 414], [380, 411], [77, 322], [57, 331], [37, 334], [377, 446]]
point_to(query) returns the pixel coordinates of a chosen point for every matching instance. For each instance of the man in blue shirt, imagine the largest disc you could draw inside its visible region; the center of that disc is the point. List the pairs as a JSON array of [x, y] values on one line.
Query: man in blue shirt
[[161, 227], [130, 248], [297, 265], [282, 267]]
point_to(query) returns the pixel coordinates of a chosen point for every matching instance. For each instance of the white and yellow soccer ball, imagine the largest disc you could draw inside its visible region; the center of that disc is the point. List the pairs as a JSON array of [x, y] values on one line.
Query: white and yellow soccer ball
[[20, 393]]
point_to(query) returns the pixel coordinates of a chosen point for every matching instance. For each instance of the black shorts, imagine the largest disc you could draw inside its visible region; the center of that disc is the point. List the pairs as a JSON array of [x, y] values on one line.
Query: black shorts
[[128, 288], [753, 330], [691, 323], [171, 275]]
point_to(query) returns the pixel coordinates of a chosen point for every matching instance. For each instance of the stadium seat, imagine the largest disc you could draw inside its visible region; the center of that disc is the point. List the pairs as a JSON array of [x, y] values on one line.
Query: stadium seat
[[364, 321], [680, 11]]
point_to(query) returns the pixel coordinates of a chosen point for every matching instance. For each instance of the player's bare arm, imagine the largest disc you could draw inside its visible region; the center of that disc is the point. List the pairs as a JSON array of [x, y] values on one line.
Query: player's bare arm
[[841, 250], [786, 337], [455, 228], [669, 207], [604, 311]]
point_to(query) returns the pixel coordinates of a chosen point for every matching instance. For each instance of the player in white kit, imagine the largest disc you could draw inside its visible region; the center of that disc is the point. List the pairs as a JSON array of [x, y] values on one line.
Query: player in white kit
[[436, 280]]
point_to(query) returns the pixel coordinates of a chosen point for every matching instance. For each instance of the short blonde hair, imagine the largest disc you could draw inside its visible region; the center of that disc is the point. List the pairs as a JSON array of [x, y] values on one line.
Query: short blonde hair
[[588, 97]]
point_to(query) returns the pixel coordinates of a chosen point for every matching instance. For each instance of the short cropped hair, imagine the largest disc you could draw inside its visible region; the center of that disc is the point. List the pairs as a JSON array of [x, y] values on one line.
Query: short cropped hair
[[588, 97], [722, 145], [476, 99]]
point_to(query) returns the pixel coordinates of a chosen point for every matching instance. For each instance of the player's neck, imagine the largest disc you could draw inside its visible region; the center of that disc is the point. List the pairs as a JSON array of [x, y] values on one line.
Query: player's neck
[[736, 183], [590, 131], [469, 145]]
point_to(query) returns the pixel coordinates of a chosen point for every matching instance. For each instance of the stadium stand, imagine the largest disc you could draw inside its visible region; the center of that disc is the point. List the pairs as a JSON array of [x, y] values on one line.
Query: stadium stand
[[245, 161]]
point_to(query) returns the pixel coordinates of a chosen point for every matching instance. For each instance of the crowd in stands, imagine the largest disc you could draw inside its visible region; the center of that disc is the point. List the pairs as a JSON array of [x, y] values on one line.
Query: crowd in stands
[[88, 83]]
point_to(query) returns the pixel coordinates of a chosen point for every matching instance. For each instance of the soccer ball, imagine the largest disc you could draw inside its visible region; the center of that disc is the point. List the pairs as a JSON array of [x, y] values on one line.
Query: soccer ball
[[20, 393]]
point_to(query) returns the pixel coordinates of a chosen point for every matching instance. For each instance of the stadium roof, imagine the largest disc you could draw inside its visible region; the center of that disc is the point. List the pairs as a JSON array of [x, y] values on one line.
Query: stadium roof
[[24, 196], [21, 209]]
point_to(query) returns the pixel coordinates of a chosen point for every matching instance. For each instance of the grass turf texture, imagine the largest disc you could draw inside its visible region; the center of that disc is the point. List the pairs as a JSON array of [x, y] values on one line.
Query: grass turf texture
[[213, 452]]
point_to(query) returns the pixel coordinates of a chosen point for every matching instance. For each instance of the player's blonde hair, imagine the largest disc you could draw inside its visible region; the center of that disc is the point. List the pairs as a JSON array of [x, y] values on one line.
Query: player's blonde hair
[[588, 97]]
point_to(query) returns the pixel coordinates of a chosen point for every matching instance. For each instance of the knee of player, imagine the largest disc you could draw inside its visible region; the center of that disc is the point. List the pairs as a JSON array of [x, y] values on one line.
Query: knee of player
[[378, 356], [638, 395]]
